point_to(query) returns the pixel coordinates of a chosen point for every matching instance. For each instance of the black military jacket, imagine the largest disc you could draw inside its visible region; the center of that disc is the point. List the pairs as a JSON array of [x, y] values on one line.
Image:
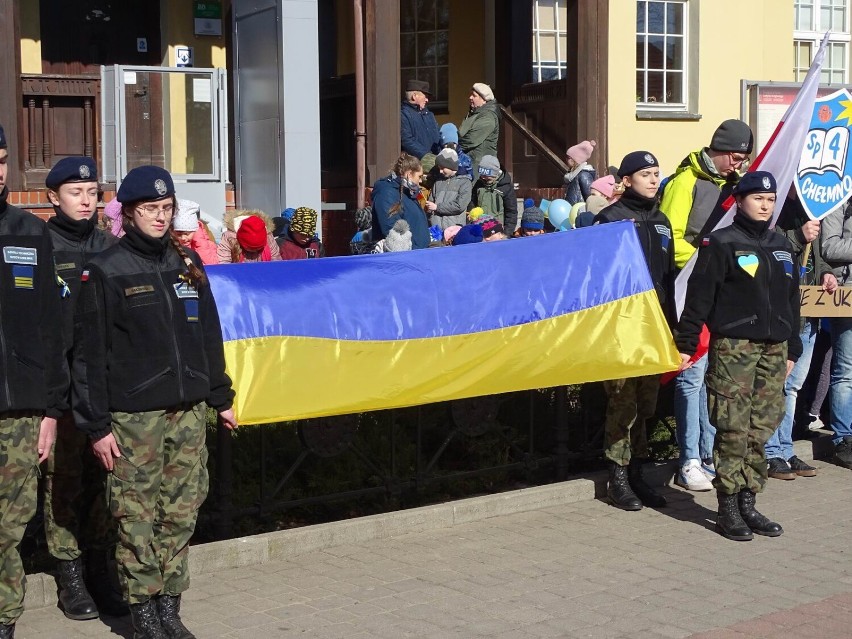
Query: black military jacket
[[145, 339]]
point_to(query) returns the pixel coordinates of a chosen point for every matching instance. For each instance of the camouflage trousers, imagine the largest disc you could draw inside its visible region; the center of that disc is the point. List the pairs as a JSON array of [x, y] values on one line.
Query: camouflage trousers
[[76, 515], [630, 403], [745, 398], [155, 491], [18, 499]]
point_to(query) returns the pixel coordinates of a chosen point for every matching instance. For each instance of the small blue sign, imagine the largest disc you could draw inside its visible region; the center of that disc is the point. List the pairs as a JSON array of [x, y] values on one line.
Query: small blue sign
[[824, 177]]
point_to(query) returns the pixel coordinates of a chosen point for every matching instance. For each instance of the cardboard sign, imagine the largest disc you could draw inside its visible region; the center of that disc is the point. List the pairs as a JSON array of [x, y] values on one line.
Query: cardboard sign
[[817, 303]]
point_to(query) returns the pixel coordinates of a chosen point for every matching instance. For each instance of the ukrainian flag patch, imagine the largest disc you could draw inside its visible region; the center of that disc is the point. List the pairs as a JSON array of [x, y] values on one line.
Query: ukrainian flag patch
[[23, 275]]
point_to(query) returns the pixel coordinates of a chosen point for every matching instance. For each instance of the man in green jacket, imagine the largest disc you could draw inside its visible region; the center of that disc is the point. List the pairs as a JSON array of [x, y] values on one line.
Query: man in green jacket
[[480, 130]]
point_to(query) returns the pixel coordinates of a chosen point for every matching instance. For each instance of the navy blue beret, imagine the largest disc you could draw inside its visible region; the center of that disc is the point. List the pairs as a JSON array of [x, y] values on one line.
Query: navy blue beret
[[3, 144], [145, 183], [636, 161], [73, 169], [756, 182]]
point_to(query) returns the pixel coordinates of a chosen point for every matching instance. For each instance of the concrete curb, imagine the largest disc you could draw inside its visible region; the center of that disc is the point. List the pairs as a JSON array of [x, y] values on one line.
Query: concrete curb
[[284, 544]]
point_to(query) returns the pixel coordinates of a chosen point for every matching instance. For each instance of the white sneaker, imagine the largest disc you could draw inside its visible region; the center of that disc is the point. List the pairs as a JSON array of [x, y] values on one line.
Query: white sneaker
[[691, 477], [816, 423], [709, 470]]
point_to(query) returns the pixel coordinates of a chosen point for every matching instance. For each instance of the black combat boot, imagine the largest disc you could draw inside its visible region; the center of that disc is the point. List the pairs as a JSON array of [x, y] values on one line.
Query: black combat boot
[[644, 492], [101, 583], [169, 607], [753, 519], [729, 522], [146, 621], [7, 631], [74, 597], [618, 489]]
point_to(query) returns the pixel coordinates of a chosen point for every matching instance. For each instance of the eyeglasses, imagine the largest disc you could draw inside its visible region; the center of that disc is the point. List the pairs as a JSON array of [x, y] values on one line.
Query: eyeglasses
[[153, 212], [737, 159]]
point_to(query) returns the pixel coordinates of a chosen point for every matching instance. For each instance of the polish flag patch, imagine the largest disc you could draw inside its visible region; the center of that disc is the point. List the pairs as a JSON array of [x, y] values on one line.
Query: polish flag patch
[[85, 276]]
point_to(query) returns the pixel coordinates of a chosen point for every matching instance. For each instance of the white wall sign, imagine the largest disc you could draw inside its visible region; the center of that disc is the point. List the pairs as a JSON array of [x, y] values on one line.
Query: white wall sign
[[183, 56], [142, 45]]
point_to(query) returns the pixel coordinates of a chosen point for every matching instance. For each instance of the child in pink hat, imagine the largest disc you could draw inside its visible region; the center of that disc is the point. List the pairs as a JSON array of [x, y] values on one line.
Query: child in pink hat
[[581, 174]]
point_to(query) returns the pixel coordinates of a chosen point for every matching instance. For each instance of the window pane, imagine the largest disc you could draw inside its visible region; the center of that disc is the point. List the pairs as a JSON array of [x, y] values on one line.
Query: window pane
[[839, 23], [654, 86], [656, 17], [655, 52], [425, 14], [641, 62], [805, 19], [408, 50], [674, 87], [407, 13], [442, 48], [674, 18], [640, 86], [674, 53], [425, 49], [549, 73], [546, 15], [547, 46], [562, 17], [442, 10], [825, 17], [641, 21]]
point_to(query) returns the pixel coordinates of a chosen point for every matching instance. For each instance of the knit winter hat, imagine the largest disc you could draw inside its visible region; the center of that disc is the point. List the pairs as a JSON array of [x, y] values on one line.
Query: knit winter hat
[[252, 234], [584, 219], [186, 218], [491, 227], [448, 159], [304, 221], [605, 185], [112, 211], [533, 218], [364, 218], [581, 152], [475, 213], [450, 232], [484, 91], [489, 166], [732, 136], [287, 213], [449, 134], [399, 238], [468, 234]]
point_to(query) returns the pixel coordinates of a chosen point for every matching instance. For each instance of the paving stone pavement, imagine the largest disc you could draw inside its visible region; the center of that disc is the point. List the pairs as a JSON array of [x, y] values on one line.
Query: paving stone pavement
[[581, 570]]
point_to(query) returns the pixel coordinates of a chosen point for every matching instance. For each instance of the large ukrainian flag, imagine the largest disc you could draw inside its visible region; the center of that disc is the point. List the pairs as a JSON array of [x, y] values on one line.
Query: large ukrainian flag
[[311, 338]]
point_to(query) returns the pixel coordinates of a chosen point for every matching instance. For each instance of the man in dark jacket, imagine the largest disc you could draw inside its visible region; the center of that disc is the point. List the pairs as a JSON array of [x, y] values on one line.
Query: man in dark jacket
[[34, 383], [419, 131], [494, 191], [76, 514]]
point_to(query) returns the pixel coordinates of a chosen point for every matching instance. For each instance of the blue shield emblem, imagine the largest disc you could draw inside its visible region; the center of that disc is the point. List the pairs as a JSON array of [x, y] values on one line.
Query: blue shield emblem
[[824, 177]]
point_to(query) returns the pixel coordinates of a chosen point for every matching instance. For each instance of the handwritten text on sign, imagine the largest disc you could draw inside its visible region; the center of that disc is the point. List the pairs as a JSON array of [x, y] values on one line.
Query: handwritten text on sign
[[817, 303]]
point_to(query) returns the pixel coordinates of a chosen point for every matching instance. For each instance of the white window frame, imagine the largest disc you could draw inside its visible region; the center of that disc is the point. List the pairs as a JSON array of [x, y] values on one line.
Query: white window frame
[[561, 63], [814, 37], [682, 105]]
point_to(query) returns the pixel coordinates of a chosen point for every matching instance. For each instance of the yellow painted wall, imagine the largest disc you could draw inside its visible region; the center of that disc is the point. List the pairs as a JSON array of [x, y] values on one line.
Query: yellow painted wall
[[738, 39], [30, 37]]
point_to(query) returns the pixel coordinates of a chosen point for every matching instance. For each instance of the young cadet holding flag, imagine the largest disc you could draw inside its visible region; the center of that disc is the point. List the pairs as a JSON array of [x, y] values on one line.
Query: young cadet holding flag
[[745, 287], [148, 359]]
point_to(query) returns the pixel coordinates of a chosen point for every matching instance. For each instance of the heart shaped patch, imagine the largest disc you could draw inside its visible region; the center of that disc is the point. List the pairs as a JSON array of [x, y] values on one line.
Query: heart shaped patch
[[748, 263]]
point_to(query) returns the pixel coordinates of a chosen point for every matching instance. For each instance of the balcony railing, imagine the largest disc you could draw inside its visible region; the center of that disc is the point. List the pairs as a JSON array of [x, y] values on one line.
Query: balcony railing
[[60, 115]]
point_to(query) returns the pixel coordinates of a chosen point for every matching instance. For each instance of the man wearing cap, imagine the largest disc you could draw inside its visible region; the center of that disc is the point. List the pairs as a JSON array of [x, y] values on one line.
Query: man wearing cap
[[76, 520], [480, 130], [693, 200], [419, 131], [494, 192], [745, 288], [632, 402], [34, 390]]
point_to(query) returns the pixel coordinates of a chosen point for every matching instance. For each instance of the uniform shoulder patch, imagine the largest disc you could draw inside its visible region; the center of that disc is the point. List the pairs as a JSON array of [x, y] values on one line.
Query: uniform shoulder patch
[[85, 276], [705, 241]]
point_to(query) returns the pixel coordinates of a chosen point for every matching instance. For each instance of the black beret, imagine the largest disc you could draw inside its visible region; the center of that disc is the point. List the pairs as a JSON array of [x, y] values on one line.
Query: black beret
[[636, 161], [3, 144], [145, 183], [73, 169], [756, 182]]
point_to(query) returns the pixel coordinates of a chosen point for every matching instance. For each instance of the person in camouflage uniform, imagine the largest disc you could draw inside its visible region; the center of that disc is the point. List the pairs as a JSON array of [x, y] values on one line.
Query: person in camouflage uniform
[[33, 382], [75, 511], [745, 287], [148, 360], [632, 402]]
